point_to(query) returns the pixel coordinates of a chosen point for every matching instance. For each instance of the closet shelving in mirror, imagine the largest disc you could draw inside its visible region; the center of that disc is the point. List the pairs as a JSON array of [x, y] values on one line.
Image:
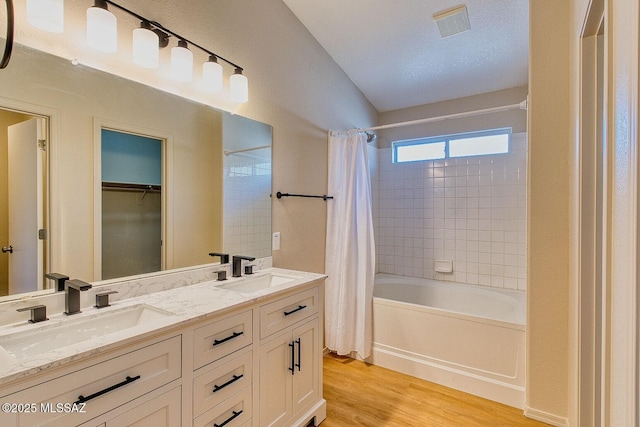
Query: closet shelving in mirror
[[148, 39]]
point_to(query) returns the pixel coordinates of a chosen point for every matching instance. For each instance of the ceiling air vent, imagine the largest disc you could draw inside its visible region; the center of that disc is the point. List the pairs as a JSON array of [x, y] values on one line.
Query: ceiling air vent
[[452, 21]]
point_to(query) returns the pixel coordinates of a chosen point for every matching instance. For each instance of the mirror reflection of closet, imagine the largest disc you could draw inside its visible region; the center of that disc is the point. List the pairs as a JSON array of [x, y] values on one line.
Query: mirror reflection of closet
[[131, 204], [23, 207]]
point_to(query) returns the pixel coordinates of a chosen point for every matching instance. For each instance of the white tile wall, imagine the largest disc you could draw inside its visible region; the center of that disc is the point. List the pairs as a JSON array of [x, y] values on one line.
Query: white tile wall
[[247, 205], [470, 210]]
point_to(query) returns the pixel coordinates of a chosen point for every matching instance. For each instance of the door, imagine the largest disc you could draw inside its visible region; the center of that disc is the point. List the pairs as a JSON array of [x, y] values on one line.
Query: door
[[26, 207]]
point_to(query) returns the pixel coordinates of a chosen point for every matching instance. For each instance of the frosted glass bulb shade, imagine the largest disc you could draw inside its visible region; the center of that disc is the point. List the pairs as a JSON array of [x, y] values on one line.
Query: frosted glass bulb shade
[[102, 30], [146, 48], [212, 76], [238, 88], [182, 63], [47, 15]]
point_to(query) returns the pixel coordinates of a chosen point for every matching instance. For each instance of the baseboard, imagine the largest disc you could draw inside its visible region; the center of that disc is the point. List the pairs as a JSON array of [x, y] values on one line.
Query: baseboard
[[545, 417]]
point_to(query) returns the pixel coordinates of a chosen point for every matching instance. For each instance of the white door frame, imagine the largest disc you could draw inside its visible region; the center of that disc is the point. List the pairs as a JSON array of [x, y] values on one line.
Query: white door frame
[[167, 188], [620, 395], [592, 218]]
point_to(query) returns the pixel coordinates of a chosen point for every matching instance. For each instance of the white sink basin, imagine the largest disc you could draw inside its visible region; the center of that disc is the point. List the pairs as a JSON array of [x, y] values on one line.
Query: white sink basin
[[251, 284], [73, 330]]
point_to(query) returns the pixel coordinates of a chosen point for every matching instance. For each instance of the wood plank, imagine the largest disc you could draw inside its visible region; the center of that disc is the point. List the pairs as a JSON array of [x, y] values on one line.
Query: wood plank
[[360, 394]]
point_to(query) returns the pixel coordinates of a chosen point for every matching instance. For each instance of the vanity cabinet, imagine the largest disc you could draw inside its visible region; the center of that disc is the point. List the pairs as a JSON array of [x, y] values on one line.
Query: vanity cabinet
[[290, 358], [254, 366]]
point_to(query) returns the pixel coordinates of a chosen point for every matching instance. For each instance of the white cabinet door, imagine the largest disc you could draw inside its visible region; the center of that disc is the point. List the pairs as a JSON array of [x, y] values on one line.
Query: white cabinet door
[[163, 411], [306, 385], [289, 373], [275, 380]]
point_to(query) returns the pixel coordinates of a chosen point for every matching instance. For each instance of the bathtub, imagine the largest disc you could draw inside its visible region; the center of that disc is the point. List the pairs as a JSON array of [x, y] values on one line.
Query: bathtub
[[471, 338]]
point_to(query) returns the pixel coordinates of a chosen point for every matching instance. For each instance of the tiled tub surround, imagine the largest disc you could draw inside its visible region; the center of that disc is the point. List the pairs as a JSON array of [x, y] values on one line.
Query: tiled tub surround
[[470, 210]]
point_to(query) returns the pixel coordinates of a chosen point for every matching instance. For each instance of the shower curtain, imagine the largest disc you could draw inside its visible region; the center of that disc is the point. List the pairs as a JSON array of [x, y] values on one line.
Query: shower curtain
[[350, 249]]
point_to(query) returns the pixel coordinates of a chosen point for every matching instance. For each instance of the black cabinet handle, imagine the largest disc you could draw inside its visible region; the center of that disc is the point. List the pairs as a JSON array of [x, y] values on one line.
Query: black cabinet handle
[[291, 368], [298, 365], [82, 399], [300, 307], [231, 381], [231, 418], [230, 337]]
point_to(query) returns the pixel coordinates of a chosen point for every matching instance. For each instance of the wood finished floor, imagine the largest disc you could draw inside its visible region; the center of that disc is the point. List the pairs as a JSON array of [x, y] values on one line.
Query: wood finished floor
[[359, 394]]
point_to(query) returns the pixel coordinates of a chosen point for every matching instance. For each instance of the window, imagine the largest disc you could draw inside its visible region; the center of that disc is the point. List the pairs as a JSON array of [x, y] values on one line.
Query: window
[[495, 141]]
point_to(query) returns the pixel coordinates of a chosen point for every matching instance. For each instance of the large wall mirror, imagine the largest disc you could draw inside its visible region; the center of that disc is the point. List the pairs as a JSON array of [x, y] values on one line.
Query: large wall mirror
[[209, 191]]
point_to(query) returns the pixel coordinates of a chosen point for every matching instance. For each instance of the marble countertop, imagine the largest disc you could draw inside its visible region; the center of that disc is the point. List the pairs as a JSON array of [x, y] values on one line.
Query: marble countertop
[[183, 305]]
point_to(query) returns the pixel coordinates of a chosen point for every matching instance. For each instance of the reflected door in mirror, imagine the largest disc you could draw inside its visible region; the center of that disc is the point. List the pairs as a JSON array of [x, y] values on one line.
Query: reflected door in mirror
[[22, 191], [131, 204]]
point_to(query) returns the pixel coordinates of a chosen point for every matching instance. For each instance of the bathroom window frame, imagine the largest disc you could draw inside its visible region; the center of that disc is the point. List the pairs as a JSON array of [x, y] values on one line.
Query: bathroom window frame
[[395, 145]]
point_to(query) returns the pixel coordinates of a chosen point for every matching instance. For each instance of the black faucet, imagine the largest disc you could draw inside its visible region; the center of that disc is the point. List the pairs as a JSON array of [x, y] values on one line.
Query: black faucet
[[224, 258], [237, 264], [72, 295]]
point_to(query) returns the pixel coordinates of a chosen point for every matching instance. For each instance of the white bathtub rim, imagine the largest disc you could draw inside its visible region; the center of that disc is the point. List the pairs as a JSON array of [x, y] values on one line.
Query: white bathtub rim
[[518, 317]]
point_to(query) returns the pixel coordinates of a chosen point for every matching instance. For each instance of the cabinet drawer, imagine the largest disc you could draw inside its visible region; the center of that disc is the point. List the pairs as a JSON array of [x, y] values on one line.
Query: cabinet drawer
[[221, 381], [285, 312], [233, 412], [163, 411], [222, 337], [103, 386]]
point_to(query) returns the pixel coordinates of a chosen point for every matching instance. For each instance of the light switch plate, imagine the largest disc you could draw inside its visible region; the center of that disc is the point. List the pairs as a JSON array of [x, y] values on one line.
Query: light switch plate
[[275, 241]]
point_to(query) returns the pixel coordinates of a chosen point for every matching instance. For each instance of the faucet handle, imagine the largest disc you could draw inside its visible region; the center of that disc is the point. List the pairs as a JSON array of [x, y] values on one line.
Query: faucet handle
[[248, 269], [102, 299], [224, 258], [222, 275], [38, 313], [59, 279]]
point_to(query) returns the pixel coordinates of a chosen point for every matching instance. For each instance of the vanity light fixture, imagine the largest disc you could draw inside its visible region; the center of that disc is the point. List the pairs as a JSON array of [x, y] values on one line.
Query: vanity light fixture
[[182, 62], [102, 34], [102, 28], [146, 46], [212, 75], [238, 87]]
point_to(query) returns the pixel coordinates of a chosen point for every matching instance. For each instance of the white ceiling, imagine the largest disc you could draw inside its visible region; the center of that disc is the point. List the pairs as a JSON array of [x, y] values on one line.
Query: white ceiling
[[393, 52]]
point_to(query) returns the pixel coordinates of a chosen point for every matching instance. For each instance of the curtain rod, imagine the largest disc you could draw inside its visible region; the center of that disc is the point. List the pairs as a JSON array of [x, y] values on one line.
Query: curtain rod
[[522, 105]]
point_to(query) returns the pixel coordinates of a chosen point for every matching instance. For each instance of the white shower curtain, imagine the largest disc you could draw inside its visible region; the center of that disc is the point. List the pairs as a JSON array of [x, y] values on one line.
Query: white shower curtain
[[350, 253]]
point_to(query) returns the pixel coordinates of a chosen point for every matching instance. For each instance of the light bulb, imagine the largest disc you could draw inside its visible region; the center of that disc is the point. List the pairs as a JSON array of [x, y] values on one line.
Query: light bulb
[[47, 15], [146, 46], [238, 87], [182, 62], [212, 75], [102, 28]]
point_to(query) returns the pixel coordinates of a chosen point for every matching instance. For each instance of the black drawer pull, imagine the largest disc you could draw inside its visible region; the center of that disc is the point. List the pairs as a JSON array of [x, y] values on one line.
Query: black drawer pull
[[300, 307], [231, 418], [230, 337], [231, 381], [82, 399], [291, 368], [299, 364]]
